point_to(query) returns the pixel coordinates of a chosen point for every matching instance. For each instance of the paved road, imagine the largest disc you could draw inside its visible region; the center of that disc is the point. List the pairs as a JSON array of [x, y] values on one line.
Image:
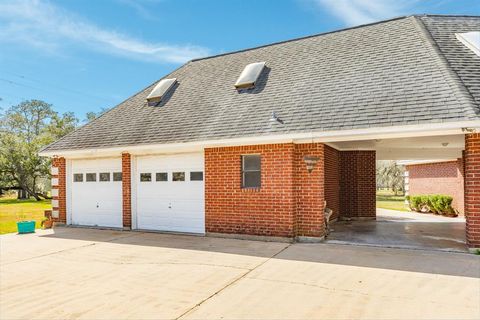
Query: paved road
[[99, 274]]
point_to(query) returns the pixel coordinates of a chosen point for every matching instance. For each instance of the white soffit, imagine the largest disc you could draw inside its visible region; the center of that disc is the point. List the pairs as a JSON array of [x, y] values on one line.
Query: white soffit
[[161, 89], [249, 75], [471, 40]]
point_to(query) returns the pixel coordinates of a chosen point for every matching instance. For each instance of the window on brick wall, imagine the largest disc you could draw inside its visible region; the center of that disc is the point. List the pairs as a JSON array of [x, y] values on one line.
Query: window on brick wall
[[251, 171]]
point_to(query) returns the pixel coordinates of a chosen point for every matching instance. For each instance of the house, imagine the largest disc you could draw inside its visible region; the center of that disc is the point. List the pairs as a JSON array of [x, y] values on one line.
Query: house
[[423, 177], [256, 142]]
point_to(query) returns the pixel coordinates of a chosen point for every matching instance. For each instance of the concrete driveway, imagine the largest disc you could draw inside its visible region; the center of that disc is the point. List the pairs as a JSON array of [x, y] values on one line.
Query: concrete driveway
[[407, 230], [74, 273]]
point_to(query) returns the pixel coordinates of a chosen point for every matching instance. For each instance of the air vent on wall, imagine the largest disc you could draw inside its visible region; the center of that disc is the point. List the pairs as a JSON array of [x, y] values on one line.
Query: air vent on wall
[[160, 90], [249, 75]]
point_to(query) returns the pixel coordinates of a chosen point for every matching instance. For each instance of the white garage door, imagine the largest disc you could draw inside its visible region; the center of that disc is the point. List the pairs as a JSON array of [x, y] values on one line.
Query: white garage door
[[96, 192], [170, 193]]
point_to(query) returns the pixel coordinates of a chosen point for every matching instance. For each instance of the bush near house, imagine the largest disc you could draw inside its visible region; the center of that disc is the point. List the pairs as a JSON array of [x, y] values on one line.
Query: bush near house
[[433, 203]]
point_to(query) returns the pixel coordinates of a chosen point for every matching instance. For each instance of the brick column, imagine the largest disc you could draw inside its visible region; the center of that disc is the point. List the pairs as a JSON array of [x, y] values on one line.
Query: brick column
[[309, 192], [59, 190], [472, 189], [357, 184], [127, 190]]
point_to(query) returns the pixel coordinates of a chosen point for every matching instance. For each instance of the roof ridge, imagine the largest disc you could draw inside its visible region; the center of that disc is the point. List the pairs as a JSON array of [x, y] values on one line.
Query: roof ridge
[[461, 91], [301, 38], [446, 15], [329, 32]]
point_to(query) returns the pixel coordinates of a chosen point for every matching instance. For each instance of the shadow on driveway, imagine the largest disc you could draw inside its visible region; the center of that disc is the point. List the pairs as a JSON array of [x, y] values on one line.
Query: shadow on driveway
[[424, 261]]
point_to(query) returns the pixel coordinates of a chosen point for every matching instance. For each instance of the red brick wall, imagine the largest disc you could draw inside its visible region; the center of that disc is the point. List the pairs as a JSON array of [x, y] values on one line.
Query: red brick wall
[[357, 184], [309, 191], [289, 202], [332, 180], [438, 178], [126, 190], [472, 188], [60, 163], [269, 210]]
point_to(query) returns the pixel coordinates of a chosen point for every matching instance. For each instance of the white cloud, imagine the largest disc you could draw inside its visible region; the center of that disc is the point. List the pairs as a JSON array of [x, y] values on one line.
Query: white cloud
[[355, 12], [48, 27]]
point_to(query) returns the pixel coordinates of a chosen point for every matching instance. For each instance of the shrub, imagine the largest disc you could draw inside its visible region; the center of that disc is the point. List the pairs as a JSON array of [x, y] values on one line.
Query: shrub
[[414, 202], [425, 203], [435, 203]]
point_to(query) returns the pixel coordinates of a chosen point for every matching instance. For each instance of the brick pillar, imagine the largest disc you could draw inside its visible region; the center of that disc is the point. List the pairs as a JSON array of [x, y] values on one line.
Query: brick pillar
[[309, 192], [472, 189], [357, 184], [127, 190], [59, 190]]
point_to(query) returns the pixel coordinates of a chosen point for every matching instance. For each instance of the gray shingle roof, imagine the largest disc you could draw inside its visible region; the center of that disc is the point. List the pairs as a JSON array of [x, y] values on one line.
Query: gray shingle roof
[[409, 70]]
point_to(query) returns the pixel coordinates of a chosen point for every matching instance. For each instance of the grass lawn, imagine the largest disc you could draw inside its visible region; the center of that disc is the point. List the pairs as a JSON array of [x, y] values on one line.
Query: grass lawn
[[386, 199], [13, 210]]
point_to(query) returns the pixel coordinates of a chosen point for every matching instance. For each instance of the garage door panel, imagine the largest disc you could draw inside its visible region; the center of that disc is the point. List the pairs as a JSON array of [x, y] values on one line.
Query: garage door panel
[[170, 205], [96, 203]]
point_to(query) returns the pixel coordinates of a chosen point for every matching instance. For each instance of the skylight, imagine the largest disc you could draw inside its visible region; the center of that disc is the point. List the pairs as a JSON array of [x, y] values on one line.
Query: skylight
[[160, 90], [249, 75], [471, 40]]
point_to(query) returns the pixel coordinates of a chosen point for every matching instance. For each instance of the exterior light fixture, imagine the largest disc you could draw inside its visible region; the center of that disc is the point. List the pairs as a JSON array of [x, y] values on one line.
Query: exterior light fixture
[[444, 144], [275, 118], [311, 162]]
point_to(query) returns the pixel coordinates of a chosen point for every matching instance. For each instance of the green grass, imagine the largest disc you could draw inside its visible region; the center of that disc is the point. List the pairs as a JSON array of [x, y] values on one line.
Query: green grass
[[386, 199], [13, 210]]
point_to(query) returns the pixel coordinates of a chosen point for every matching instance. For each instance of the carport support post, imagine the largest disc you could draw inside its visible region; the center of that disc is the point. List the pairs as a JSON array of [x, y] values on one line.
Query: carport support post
[[59, 190], [127, 190], [358, 185], [472, 189]]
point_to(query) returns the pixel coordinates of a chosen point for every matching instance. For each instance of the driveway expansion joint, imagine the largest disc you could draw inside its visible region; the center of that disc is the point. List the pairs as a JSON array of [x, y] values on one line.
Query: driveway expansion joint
[[229, 284]]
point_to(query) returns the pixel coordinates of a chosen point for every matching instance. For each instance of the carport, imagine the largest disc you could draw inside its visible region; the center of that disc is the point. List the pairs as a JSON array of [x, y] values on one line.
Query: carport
[[414, 230]]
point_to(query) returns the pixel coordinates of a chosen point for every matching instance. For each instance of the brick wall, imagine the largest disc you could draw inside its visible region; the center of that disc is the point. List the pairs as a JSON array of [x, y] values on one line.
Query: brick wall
[[472, 189], [438, 178], [59, 201], [332, 180], [268, 211], [309, 191], [357, 184], [289, 202], [126, 190]]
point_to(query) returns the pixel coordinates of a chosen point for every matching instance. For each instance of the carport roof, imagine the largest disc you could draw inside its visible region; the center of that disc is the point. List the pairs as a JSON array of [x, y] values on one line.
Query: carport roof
[[404, 71]]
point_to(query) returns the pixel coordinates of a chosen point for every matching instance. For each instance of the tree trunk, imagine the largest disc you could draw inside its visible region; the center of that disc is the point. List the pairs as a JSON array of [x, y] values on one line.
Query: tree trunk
[[28, 191], [22, 194], [43, 195], [33, 194]]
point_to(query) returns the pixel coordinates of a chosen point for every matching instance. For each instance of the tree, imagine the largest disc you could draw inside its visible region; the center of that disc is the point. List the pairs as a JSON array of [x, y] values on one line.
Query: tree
[[24, 130], [90, 116], [390, 175]]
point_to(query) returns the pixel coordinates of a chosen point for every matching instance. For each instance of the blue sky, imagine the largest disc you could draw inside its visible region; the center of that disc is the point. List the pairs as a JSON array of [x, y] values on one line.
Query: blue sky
[[87, 55]]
